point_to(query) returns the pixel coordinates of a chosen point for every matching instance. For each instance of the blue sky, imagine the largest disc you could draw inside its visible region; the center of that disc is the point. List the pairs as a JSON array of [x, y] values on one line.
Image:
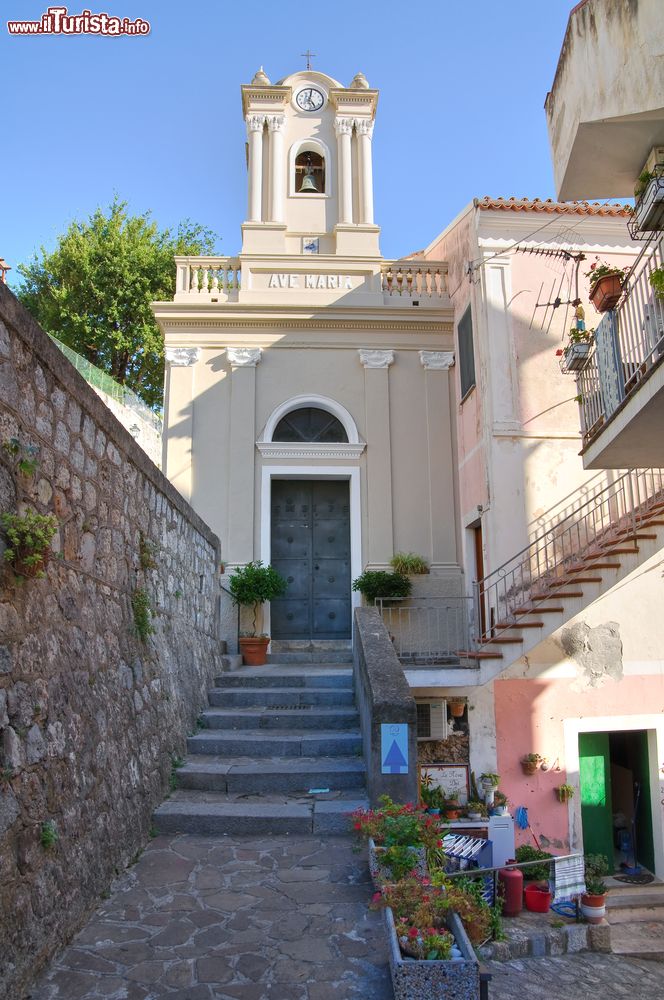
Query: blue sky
[[158, 119]]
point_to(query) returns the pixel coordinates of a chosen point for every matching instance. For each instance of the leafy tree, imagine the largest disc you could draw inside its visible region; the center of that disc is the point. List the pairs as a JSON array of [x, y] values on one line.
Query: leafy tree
[[93, 292]]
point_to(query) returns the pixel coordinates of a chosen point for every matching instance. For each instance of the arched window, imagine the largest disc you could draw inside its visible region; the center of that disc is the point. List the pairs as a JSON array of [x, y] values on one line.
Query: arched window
[[310, 424], [309, 173]]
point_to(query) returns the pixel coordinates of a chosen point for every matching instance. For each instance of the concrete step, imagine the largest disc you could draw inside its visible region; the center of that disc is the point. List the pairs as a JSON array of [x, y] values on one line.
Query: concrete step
[[280, 697], [259, 743], [634, 914], [209, 814], [278, 774], [231, 661], [639, 940], [305, 717], [633, 895], [272, 677], [311, 656]]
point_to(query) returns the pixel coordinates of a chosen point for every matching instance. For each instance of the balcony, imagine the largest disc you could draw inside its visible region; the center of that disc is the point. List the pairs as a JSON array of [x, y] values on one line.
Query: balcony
[[324, 279], [621, 386], [605, 109]]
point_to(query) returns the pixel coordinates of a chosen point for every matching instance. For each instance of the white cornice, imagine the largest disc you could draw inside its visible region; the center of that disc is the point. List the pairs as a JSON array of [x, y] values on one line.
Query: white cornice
[[314, 449]]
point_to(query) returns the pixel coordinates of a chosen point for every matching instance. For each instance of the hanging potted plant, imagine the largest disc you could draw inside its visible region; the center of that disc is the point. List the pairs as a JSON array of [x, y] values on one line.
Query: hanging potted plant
[[564, 792], [531, 762], [499, 807], [593, 901], [251, 586], [457, 707], [606, 283], [575, 355], [649, 199]]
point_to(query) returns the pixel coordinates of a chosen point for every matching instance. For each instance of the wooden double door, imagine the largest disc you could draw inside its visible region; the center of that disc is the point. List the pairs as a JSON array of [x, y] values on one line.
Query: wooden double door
[[311, 549]]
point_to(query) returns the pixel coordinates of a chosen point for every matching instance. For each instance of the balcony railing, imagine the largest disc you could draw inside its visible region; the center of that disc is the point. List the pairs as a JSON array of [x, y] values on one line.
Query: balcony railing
[[415, 281], [211, 279], [429, 631], [628, 343]]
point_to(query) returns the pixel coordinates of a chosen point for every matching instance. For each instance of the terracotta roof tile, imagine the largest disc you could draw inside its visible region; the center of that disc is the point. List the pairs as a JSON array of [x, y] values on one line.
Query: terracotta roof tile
[[550, 207]]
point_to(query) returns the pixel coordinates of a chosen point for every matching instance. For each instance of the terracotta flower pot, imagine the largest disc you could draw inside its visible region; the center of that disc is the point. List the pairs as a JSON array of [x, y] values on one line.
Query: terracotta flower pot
[[529, 766], [606, 292], [457, 708], [593, 908], [254, 650]]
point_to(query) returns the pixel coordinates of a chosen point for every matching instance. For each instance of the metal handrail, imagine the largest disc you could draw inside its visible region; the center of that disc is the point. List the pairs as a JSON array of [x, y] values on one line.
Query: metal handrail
[[237, 624], [524, 582], [429, 630]]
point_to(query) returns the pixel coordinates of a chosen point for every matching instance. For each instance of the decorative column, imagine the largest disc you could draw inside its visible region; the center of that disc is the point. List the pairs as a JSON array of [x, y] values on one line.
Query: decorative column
[[243, 361], [276, 125], [364, 129], [380, 547], [344, 129], [255, 135], [179, 417], [440, 459]]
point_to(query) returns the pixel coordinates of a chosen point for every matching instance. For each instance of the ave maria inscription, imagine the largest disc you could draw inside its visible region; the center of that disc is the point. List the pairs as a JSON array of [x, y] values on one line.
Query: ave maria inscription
[[318, 281]]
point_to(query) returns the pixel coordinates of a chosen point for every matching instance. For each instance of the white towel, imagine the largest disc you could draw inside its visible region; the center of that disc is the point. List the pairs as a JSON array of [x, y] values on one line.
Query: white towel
[[567, 878]]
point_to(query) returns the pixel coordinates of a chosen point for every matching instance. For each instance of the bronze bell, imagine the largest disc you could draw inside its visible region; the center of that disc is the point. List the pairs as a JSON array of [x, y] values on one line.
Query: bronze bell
[[309, 181]]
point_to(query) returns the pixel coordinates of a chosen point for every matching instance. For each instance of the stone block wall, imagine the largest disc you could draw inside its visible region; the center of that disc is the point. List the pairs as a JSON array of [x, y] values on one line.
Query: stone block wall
[[90, 715]]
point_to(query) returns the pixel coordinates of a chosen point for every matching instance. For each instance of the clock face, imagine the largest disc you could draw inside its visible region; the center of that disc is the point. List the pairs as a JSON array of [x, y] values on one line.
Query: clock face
[[310, 99]]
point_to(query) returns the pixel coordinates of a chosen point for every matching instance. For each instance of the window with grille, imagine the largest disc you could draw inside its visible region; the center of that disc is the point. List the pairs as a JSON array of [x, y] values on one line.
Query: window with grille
[[310, 424]]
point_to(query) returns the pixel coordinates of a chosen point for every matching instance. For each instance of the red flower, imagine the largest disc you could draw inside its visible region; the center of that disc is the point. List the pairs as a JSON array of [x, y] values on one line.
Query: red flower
[[439, 844], [413, 932], [559, 353], [376, 896]]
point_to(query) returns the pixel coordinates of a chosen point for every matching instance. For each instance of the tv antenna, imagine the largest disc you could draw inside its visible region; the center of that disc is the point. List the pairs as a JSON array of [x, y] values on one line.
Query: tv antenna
[[555, 300]]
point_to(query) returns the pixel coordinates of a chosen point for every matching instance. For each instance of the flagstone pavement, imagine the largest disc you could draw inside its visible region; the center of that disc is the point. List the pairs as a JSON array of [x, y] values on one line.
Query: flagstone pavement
[[277, 918]]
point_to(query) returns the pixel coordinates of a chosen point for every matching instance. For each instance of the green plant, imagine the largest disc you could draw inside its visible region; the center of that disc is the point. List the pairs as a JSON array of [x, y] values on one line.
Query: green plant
[[26, 455], [596, 867], [564, 792], [394, 825], [177, 594], [140, 603], [527, 853], [656, 279], [6, 775], [254, 584], [153, 832], [48, 835], [642, 183], [601, 270], [499, 798], [531, 758], [29, 536], [373, 584], [432, 795], [146, 553], [409, 564], [477, 807], [577, 336], [489, 778]]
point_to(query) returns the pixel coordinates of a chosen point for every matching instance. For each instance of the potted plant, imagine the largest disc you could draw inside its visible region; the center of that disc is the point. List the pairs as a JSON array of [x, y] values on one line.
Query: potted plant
[[530, 762], [649, 195], [499, 804], [452, 808], [476, 811], [376, 584], [457, 707], [575, 355], [593, 901], [251, 586], [398, 837], [489, 780], [564, 793], [409, 564], [431, 795], [606, 283], [656, 279]]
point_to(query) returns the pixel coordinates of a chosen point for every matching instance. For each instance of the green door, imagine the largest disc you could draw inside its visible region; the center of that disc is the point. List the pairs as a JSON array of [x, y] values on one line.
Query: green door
[[595, 781], [645, 849]]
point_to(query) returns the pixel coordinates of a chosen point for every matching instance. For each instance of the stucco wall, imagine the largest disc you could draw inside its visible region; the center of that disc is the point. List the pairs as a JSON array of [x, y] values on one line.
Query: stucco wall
[[89, 715]]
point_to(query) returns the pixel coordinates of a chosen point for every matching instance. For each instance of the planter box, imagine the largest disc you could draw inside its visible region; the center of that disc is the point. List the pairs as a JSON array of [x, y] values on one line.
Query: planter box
[[649, 209], [576, 356], [380, 874], [457, 979]]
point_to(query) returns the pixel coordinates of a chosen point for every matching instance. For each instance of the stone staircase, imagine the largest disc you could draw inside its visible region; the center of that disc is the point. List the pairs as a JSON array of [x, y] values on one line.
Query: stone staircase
[[280, 751], [635, 914]]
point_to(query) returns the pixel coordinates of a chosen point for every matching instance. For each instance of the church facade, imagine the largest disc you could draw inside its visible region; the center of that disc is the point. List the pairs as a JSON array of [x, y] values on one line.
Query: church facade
[[309, 385]]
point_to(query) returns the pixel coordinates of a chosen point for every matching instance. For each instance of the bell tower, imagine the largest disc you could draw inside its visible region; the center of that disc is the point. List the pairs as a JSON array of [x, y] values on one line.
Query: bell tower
[[310, 175]]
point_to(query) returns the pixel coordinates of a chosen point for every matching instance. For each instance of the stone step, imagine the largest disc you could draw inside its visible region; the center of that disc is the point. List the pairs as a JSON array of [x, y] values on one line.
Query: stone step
[[634, 914], [256, 677], [259, 743], [277, 774], [209, 814], [305, 717], [311, 656], [280, 697], [632, 895], [639, 940]]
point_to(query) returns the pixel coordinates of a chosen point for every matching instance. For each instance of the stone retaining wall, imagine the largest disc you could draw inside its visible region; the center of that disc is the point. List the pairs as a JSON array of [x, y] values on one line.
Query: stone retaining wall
[[90, 716]]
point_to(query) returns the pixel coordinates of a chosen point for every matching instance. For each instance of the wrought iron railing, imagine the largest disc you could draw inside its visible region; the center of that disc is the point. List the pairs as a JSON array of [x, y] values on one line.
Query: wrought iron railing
[[431, 630], [628, 342], [532, 576]]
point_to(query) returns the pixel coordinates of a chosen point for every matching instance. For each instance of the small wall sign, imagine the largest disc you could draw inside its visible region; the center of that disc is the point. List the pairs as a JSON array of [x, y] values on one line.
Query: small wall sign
[[394, 748], [310, 244]]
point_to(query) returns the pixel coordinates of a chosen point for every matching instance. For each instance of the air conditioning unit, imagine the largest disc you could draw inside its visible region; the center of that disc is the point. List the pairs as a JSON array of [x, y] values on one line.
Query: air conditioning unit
[[431, 719]]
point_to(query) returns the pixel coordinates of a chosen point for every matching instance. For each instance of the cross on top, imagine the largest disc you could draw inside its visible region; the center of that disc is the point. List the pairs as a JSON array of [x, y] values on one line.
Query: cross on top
[[308, 56]]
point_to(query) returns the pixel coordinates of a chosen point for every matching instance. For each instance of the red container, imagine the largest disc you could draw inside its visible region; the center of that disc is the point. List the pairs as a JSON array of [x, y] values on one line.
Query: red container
[[538, 899], [511, 888]]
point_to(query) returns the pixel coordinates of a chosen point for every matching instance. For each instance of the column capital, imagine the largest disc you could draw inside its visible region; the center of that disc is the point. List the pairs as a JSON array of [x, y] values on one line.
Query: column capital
[[372, 358], [437, 361], [182, 357], [343, 126], [244, 357], [363, 126], [255, 123], [276, 123]]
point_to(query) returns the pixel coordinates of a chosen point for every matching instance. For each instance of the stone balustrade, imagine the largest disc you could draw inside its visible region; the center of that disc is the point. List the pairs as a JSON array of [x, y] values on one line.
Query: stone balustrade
[[210, 278], [404, 277]]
